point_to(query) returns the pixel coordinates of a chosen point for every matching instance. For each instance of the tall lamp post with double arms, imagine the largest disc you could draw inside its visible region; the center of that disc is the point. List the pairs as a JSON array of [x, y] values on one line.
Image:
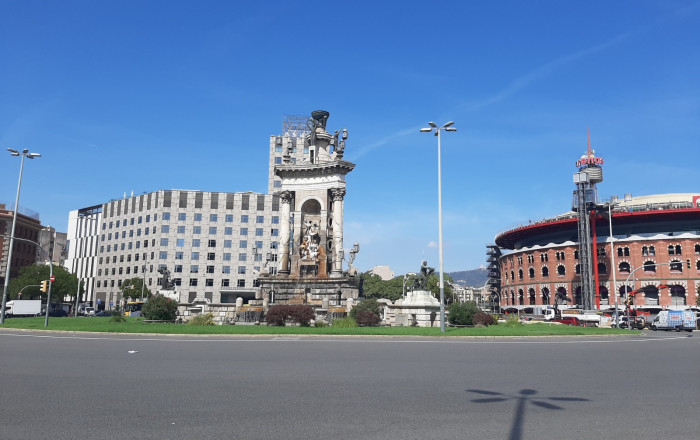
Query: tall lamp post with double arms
[[24, 153], [433, 127]]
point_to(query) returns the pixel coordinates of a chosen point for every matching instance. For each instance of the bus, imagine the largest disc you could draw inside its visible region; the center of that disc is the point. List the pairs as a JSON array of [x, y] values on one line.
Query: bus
[[133, 308]]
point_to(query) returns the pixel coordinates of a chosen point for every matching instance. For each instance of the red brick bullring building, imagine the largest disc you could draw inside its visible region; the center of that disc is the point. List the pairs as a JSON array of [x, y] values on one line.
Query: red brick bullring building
[[656, 244]]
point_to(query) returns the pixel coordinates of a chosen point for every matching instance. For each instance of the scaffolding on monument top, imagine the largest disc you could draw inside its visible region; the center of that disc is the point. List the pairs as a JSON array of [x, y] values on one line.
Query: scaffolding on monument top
[[295, 125]]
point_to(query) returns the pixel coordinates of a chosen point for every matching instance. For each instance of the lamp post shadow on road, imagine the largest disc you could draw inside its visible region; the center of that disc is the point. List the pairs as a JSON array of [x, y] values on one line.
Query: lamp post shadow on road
[[524, 397]]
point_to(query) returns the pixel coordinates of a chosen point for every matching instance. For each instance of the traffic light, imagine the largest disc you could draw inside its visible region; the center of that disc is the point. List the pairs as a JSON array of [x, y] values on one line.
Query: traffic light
[[45, 286]]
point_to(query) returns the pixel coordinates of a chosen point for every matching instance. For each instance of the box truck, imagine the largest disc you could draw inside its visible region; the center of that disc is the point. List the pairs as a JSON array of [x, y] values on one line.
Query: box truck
[[23, 307]]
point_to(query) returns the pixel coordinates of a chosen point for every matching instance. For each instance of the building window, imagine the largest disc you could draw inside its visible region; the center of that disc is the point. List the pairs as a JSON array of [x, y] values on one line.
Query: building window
[[180, 229], [227, 256], [194, 268], [211, 243], [228, 218], [197, 230], [260, 219], [275, 220], [195, 255], [244, 231], [166, 216], [274, 232], [179, 255], [210, 269], [180, 242], [676, 266], [624, 267], [213, 218], [531, 272], [209, 282], [227, 243], [649, 266], [212, 230], [242, 257], [182, 216], [163, 255], [243, 244], [244, 218], [520, 274], [164, 229], [228, 231], [211, 256], [178, 268], [163, 241], [545, 272], [561, 270], [226, 269], [196, 242], [225, 282], [241, 283], [258, 232], [198, 217], [241, 270], [193, 281]]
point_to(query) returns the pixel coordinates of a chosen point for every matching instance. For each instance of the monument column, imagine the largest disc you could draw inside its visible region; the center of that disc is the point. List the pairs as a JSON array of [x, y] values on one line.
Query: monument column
[[285, 220], [337, 195]]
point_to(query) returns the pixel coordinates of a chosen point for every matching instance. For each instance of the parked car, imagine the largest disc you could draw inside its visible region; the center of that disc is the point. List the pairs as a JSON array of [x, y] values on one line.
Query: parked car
[[58, 313], [89, 311], [103, 313], [568, 320]]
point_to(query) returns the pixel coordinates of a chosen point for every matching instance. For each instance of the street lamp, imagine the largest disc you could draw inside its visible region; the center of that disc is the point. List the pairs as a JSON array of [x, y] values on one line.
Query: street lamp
[[433, 127], [612, 259], [24, 153]]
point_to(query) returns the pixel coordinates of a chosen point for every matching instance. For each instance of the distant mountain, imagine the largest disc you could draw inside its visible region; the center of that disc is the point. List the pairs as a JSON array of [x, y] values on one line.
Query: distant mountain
[[474, 277]]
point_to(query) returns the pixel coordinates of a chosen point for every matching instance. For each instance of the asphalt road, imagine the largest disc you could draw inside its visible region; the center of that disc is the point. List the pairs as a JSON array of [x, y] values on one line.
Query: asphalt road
[[67, 386]]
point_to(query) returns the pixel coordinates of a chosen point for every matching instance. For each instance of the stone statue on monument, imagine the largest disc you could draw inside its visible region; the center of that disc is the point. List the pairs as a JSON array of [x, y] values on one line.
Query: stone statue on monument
[[421, 282], [167, 283]]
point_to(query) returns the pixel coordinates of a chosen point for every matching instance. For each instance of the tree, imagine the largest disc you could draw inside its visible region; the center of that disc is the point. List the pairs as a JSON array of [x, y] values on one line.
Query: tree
[[30, 277], [131, 288], [160, 308], [462, 313], [434, 287], [372, 286], [367, 312]]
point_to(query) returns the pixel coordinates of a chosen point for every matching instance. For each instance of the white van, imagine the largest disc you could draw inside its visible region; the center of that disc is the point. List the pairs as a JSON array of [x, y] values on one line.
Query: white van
[[674, 320]]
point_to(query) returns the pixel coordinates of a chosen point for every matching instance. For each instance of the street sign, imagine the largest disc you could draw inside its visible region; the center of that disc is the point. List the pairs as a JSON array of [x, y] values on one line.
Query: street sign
[[52, 278]]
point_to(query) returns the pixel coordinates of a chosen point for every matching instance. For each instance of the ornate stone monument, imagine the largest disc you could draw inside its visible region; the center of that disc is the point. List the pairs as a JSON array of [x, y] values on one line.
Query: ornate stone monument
[[419, 308], [311, 223]]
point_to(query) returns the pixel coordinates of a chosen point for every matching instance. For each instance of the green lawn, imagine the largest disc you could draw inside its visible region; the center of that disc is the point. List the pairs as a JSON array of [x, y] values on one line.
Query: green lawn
[[135, 325]]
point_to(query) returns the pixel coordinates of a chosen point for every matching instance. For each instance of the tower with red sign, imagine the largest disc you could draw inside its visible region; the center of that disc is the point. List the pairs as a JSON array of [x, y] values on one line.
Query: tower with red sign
[[588, 175]]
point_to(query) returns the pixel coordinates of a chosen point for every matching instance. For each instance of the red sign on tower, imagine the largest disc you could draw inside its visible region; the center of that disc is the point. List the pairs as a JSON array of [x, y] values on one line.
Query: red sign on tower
[[52, 278]]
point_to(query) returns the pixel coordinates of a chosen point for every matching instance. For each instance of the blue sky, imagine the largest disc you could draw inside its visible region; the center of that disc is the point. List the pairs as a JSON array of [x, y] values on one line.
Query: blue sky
[[122, 96]]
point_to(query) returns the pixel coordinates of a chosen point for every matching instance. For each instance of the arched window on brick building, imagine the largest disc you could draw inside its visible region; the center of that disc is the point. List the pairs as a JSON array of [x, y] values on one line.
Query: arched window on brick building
[[624, 267], [649, 266]]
